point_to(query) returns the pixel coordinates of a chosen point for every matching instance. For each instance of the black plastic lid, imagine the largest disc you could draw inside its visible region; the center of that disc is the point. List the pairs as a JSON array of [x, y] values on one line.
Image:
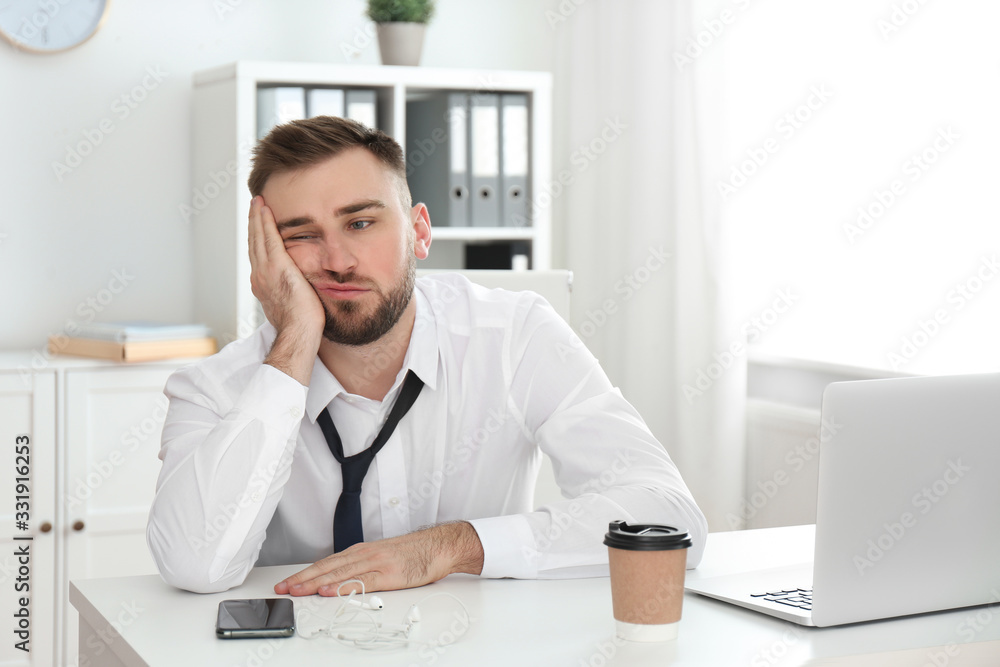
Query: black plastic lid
[[646, 537]]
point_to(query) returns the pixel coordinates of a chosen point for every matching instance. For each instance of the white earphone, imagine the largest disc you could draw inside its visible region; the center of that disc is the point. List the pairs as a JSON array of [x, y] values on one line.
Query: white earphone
[[373, 602], [413, 615], [361, 628]]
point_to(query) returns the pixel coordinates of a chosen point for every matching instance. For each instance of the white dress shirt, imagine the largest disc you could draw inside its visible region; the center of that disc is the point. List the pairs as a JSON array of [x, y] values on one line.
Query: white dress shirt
[[248, 477]]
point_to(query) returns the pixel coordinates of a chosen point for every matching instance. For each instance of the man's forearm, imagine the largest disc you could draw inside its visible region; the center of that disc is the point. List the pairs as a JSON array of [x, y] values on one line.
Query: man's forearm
[[294, 353], [461, 542]]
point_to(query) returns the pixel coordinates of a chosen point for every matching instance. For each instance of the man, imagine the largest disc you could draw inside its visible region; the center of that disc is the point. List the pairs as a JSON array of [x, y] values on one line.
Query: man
[[254, 434]]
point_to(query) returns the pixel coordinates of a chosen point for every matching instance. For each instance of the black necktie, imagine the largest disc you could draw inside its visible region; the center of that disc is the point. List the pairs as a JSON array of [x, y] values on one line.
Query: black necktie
[[347, 529]]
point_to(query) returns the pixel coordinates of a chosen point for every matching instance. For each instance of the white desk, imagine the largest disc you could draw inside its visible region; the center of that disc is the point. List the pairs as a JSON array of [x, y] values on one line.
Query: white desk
[[527, 623]]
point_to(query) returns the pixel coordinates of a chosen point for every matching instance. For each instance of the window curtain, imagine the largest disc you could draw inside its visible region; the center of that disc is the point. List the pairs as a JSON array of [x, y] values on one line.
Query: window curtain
[[637, 223]]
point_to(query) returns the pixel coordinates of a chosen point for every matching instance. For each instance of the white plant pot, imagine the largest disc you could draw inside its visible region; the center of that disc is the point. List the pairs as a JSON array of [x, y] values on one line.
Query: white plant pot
[[401, 43]]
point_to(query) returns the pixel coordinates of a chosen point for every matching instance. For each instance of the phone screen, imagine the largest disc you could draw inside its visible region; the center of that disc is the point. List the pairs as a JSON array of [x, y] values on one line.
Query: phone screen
[[271, 617]]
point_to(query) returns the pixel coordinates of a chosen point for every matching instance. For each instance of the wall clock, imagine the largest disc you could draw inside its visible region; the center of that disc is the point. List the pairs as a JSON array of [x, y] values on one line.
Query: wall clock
[[50, 26]]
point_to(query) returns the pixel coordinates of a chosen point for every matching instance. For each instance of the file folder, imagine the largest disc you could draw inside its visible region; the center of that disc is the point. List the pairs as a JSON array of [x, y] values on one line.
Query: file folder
[[277, 105], [459, 193], [514, 160], [360, 106], [484, 159], [324, 102], [437, 140]]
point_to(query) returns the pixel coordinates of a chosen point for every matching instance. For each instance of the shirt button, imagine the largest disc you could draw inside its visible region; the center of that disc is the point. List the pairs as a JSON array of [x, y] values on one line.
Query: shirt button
[[257, 496], [393, 502], [295, 412]]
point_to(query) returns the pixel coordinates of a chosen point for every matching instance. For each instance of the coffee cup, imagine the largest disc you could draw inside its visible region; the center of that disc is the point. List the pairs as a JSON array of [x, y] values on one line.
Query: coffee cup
[[647, 564]]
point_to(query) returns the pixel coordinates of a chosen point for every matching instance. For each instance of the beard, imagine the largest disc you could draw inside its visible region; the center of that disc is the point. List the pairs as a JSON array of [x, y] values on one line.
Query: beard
[[348, 324]]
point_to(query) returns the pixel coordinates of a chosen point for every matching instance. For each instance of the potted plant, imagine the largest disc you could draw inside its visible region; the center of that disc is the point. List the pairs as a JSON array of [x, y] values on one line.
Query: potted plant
[[401, 25]]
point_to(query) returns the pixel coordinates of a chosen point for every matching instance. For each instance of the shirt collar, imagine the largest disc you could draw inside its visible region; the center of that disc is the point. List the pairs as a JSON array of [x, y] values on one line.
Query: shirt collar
[[422, 357]]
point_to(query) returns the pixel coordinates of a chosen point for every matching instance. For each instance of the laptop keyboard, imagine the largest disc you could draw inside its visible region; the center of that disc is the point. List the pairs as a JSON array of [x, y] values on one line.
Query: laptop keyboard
[[792, 597]]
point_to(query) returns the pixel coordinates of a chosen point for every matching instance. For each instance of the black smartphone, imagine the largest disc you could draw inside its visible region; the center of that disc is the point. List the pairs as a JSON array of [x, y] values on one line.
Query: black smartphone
[[263, 617]]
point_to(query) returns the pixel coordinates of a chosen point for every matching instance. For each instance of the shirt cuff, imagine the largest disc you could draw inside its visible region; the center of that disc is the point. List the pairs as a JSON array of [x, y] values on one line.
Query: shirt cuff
[[274, 398], [509, 548]]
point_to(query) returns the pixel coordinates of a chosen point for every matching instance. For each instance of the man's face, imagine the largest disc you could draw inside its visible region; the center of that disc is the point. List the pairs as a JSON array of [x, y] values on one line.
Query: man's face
[[344, 226]]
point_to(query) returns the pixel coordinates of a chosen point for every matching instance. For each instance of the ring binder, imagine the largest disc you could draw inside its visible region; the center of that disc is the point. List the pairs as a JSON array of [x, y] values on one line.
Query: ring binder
[[484, 152], [515, 159]]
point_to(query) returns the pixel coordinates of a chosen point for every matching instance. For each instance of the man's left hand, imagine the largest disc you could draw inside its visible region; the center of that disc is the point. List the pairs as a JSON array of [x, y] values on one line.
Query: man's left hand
[[407, 561]]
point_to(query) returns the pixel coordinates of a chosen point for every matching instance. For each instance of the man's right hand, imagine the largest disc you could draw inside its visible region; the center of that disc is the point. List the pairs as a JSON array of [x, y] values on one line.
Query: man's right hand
[[290, 303]]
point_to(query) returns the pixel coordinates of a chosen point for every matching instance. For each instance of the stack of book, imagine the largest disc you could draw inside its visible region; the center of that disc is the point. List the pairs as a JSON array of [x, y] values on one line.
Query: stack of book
[[135, 341]]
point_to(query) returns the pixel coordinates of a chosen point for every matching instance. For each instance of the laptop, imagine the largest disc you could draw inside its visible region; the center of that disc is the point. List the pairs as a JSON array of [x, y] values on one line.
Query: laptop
[[908, 507]]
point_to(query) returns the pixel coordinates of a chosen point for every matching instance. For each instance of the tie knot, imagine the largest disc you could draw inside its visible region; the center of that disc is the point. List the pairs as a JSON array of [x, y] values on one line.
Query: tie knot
[[353, 470]]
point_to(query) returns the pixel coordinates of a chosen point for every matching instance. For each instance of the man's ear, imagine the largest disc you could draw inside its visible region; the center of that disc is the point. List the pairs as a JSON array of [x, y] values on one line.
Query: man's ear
[[421, 221]]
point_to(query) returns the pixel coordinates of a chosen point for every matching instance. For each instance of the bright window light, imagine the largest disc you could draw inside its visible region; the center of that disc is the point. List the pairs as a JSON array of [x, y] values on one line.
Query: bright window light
[[858, 172]]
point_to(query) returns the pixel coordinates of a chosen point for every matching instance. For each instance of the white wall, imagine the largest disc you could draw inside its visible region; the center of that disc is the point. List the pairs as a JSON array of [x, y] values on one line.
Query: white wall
[[862, 180], [64, 236]]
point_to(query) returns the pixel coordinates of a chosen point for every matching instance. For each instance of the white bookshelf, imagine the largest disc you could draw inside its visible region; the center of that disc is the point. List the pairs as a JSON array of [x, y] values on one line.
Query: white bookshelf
[[485, 234], [224, 133]]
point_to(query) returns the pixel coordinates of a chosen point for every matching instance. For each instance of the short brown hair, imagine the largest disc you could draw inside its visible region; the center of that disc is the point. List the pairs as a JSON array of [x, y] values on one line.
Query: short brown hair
[[304, 143]]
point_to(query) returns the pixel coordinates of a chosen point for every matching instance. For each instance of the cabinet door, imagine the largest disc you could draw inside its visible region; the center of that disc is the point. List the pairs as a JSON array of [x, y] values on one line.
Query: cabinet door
[[113, 422], [28, 416]]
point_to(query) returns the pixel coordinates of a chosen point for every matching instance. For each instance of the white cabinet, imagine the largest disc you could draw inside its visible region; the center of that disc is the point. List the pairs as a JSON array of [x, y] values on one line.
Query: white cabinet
[[94, 430], [113, 421], [27, 416], [225, 131]]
